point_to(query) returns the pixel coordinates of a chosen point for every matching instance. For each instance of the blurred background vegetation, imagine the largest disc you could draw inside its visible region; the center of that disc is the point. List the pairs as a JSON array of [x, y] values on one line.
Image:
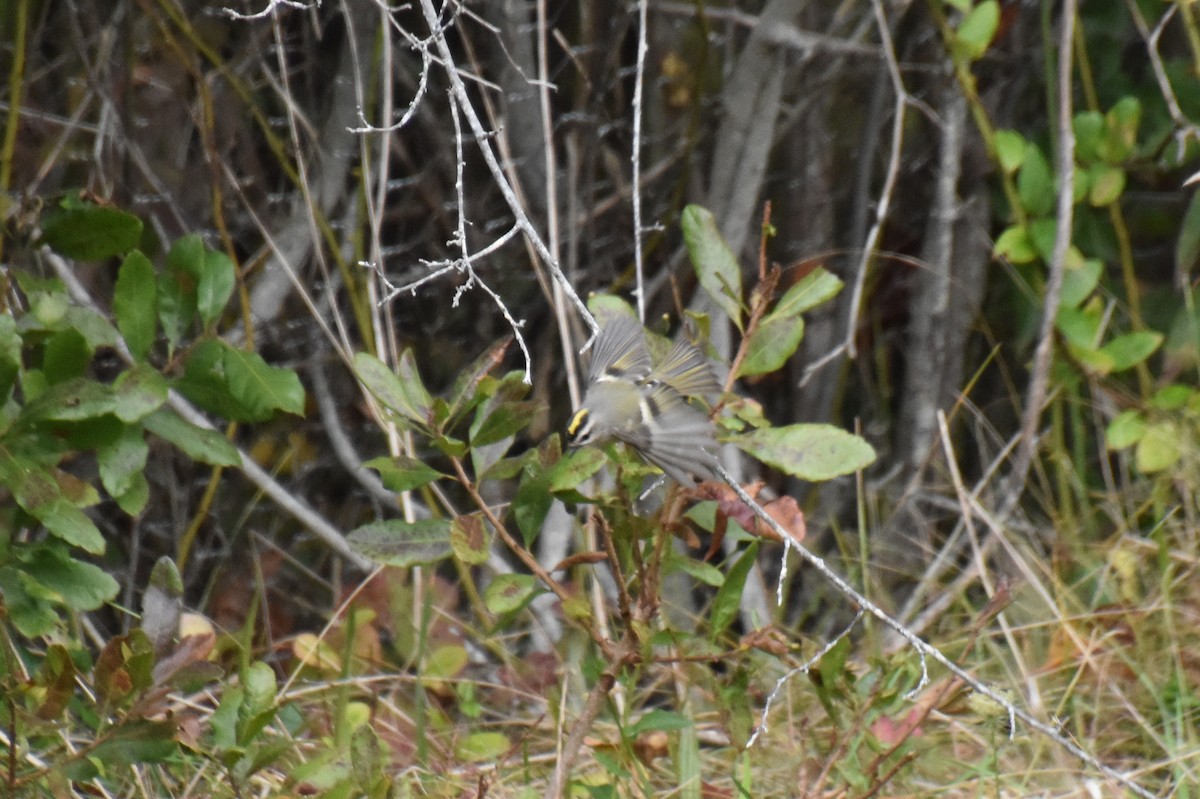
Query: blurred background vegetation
[[1016, 338]]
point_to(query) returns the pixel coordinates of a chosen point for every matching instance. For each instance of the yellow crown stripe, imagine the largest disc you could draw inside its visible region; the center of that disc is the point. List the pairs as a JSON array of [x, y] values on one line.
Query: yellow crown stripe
[[577, 421]]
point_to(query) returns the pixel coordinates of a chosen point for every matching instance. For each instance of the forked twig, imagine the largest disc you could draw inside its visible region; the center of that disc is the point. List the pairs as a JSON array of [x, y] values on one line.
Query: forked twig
[[926, 650]]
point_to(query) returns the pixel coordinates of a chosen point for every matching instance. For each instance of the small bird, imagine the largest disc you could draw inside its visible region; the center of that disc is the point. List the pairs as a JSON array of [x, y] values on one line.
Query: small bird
[[644, 404]]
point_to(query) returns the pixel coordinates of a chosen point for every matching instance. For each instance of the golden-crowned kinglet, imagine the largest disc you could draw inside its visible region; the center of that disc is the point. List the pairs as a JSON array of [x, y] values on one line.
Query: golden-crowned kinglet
[[645, 404]]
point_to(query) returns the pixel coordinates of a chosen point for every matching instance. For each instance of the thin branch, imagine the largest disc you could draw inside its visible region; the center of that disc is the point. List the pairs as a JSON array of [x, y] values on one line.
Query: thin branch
[[1039, 381], [889, 183], [926, 650], [636, 158], [801, 669], [461, 235], [483, 140]]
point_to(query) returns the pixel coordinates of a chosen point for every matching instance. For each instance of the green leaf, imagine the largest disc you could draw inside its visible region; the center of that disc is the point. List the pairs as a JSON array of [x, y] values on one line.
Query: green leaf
[[261, 387], [533, 498], [1093, 361], [772, 343], [808, 451], [1131, 349], [1120, 130], [1125, 430], [138, 392], [134, 500], [1107, 183], [716, 265], [1015, 244], [205, 383], [471, 538], [1089, 132], [395, 542], [508, 593], [1035, 183], [76, 399], [1080, 282], [214, 286], [1042, 233], [122, 460], [176, 298], [497, 421], [10, 356], [664, 720], [480, 747], [67, 356], [401, 391], [450, 446], [466, 394], [1081, 184], [31, 614], [198, 443], [1079, 326], [88, 232], [728, 601], [816, 287], [573, 468], [260, 684], [187, 256], [446, 662], [402, 473], [134, 742], [41, 495], [696, 569], [1173, 397], [224, 719], [81, 585], [135, 303], [504, 468], [366, 758], [1010, 150], [1159, 448], [977, 28]]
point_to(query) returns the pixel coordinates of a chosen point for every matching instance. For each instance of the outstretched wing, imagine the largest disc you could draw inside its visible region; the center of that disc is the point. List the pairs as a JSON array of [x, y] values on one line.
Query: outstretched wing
[[686, 370], [620, 352], [673, 435]]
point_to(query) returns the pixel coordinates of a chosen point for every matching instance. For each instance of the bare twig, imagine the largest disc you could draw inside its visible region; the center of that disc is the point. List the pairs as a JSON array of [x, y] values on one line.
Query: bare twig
[[801, 669], [1039, 380], [483, 140], [636, 158], [889, 183], [926, 650]]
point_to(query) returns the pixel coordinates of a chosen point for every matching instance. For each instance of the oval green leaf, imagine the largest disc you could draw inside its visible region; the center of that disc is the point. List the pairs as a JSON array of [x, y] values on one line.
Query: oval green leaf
[[88, 232], [508, 593], [772, 343], [479, 747], [395, 542], [1125, 430], [808, 451], [135, 303], [1159, 448], [1131, 349], [716, 266]]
